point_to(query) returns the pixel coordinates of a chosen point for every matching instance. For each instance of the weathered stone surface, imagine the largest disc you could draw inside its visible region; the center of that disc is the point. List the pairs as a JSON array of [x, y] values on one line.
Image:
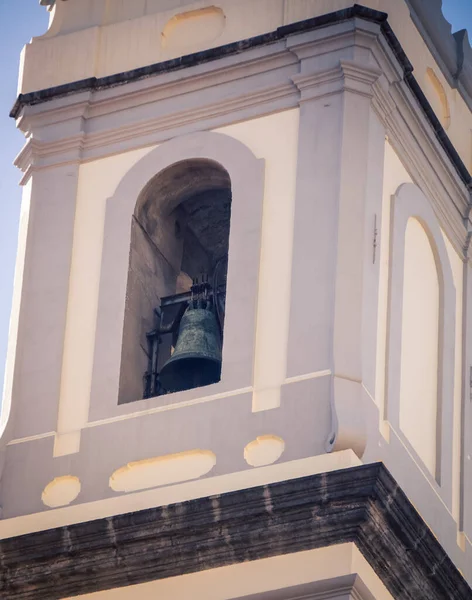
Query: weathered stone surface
[[363, 505]]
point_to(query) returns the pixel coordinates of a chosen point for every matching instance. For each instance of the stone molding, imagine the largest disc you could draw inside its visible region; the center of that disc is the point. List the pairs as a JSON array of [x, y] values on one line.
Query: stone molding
[[407, 202], [452, 51], [362, 504], [247, 182], [95, 118], [346, 76]]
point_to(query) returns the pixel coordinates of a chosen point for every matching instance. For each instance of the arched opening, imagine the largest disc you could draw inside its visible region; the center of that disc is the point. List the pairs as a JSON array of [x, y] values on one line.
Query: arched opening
[[179, 236], [420, 363]]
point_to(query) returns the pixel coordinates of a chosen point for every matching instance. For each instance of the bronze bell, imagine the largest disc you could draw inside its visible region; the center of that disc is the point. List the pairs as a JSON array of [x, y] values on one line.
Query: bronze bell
[[196, 360]]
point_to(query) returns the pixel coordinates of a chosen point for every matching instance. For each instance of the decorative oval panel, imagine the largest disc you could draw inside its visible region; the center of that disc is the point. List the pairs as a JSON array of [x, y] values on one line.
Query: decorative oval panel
[[264, 450], [61, 491], [193, 30], [162, 470]]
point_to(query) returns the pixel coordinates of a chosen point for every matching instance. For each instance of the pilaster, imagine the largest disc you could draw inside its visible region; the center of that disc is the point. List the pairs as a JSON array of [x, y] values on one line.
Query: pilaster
[[43, 302], [335, 275]]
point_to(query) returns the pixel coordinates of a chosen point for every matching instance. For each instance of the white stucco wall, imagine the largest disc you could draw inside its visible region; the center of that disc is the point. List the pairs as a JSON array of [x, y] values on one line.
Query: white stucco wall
[[97, 182], [263, 138], [457, 266], [414, 435], [274, 140], [394, 175]]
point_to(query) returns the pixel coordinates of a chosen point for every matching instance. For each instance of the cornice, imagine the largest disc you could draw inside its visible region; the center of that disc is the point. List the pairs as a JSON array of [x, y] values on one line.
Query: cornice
[[346, 76], [197, 58], [36, 155], [155, 72], [96, 118], [363, 505], [90, 145]]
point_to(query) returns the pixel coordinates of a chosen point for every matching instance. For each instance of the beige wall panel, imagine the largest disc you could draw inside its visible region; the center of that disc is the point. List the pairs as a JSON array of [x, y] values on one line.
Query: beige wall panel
[[420, 344], [461, 136], [263, 137], [394, 175], [409, 202], [59, 60], [40, 341], [265, 575], [16, 308], [52, 60], [142, 47], [457, 266], [97, 182]]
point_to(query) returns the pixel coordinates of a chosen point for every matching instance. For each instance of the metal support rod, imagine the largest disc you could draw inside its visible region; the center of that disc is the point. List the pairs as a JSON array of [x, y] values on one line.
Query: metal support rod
[[186, 297], [171, 327]]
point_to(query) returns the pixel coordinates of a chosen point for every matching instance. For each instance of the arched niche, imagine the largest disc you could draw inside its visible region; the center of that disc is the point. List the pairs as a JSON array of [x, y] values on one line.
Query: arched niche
[[179, 232], [230, 159], [417, 242], [419, 372]]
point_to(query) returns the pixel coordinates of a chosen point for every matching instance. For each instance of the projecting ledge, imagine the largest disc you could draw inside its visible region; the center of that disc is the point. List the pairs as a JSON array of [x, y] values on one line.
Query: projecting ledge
[[363, 505]]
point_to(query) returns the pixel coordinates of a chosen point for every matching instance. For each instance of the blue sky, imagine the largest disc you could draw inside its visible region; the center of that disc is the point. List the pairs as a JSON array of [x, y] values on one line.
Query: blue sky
[[19, 21]]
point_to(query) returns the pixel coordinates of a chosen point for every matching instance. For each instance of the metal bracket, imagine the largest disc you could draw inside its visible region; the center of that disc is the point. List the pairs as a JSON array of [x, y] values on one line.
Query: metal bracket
[[374, 244]]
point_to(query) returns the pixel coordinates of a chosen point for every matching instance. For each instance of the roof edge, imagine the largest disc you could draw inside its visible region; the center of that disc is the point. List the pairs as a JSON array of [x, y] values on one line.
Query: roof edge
[[362, 504], [204, 56]]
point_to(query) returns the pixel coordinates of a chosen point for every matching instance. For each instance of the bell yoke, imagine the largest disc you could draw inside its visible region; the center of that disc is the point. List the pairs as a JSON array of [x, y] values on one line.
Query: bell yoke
[[196, 359]]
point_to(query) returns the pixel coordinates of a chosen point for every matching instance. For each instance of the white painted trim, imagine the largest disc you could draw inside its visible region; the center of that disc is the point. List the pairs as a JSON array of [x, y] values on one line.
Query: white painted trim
[[31, 438], [307, 376], [158, 409]]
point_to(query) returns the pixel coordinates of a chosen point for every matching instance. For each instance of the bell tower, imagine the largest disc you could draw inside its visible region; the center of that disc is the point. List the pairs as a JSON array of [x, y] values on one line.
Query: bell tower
[[240, 343]]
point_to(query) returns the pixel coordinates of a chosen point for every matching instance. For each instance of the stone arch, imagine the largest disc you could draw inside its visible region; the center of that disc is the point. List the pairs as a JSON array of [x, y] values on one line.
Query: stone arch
[[246, 173], [179, 234], [409, 203]]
